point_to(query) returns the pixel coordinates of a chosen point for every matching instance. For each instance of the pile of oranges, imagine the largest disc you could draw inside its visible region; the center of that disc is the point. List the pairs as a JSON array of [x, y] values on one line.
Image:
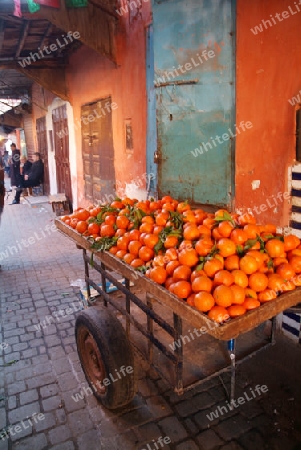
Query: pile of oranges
[[223, 264]]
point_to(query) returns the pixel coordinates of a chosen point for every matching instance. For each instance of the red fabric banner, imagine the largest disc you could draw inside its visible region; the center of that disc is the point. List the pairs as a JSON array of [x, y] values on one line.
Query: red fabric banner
[[53, 3], [17, 10]]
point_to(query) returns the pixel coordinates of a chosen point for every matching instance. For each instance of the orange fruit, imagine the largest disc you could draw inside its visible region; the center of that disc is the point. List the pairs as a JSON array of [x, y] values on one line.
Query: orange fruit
[[238, 236], [148, 219], [202, 283], [197, 273], [113, 250], [223, 296], [258, 282], [236, 310], [171, 266], [204, 246], [110, 219], [190, 300], [204, 231], [107, 230], [128, 258], [286, 271], [225, 228], [259, 256], [123, 242], [295, 262], [182, 288], [171, 242], [248, 264], [223, 277], [291, 242], [188, 257], [232, 262], [185, 245], [275, 248], [218, 314], [137, 262], [145, 253], [182, 272], [82, 226], [270, 228], [275, 282], [226, 247], [266, 295], [252, 231], [288, 286], [246, 218], [238, 294], [171, 254], [279, 260], [215, 234], [250, 293], [150, 240], [250, 303], [204, 301], [191, 232], [120, 253], [240, 278], [212, 266], [297, 280], [134, 247], [158, 274], [162, 218]]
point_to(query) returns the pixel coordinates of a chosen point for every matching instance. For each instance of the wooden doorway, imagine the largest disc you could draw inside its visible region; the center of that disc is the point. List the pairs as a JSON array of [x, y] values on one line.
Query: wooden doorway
[[43, 150], [98, 151], [61, 146]]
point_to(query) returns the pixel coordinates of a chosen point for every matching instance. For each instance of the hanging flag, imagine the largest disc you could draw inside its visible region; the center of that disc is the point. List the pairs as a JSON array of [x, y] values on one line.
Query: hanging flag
[[17, 10], [53, 3], [33, 6]]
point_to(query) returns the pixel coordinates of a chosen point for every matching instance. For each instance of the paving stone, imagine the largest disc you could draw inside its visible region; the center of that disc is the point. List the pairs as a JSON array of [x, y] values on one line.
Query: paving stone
[[158, 407], [46, 423], [173, 428], [42, 380], [56, 352], [4, 444], [70, 403], [10, 326], [29, 353], [251, 409], [12, 357], [89, 440], [209, 440], [186, 408], [38, 442], [79, 422], [203, 422], [149, 431], [191, 427], [233, 427], [187, 445], [51, 403], [203, 400], [28, 397], [61, 365], [36, 342], [27, 337], [23, 431], [2, 418], [12, 340], [15, 332], [12, 402], [21, 413], [138, 416], [65, 446], [233, 445], [61, 416], [15, 388], [49, 391], [24, 323], [60, 434], [67, 382]]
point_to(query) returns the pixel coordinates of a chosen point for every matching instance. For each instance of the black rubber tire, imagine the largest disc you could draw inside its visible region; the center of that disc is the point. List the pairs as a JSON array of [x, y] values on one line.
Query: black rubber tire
[[103, 349]]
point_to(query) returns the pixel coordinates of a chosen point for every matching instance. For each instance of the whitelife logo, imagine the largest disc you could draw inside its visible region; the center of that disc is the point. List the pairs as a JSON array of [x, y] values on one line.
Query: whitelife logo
[[285, 15], [53, 48]]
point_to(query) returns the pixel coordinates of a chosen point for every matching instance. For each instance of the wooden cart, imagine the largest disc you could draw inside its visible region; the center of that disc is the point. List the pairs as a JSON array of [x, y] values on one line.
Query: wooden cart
[[105, 346]]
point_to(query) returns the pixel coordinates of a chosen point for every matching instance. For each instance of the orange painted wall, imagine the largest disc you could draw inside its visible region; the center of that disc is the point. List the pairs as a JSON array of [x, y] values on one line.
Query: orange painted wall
[[92, 77], [41, 99], [268, 75]]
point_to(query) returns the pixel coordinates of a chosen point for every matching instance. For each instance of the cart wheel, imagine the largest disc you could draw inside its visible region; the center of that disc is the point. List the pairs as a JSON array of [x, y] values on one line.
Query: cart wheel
[[105, 353]]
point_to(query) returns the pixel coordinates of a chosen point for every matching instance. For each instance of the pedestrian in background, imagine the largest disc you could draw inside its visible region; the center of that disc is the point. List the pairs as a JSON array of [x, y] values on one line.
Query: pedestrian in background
[[25, 166], [6, 161], [34, 178], [15, 176], [2, 190]]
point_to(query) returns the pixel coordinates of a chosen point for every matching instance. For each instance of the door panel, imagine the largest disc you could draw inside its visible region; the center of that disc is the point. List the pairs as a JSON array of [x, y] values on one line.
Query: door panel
[[195, 102], [43, 150], [61, 144], [98, 151]]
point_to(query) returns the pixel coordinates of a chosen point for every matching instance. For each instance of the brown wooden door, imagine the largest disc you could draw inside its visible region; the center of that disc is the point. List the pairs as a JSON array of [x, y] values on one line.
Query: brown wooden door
[[43, 150], [98, 151], [61, 146]]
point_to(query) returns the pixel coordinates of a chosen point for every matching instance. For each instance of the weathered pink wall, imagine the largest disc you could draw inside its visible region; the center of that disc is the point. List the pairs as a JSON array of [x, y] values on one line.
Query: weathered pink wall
[[268, 75], [92, 77]]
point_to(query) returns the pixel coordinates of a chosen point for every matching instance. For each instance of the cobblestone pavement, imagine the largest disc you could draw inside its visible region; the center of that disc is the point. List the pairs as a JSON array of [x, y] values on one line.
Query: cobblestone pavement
[[38, 266]]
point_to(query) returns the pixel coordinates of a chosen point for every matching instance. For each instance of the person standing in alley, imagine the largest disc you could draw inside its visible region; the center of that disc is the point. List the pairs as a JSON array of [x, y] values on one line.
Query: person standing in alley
[[2, 190], [25, 166], [15, 176], [34, 177]]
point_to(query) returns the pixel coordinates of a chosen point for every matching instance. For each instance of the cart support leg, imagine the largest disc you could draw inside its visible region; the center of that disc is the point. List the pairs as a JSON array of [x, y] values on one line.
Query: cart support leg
[[150, 329], [231, 349], [128, 309], [179, 354], [104, 283], [87, 273]]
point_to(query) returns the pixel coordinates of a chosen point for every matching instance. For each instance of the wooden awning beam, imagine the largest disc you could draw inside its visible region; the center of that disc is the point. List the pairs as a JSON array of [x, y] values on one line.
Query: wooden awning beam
[[2, 28], [54, 80], [22, 38]]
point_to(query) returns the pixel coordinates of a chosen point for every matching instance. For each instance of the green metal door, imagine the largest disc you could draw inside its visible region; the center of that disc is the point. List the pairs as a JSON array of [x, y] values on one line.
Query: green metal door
[[194, 81]]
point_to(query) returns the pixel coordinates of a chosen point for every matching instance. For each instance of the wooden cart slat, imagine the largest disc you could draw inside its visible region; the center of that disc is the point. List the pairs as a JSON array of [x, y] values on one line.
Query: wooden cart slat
[[226, 331]]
